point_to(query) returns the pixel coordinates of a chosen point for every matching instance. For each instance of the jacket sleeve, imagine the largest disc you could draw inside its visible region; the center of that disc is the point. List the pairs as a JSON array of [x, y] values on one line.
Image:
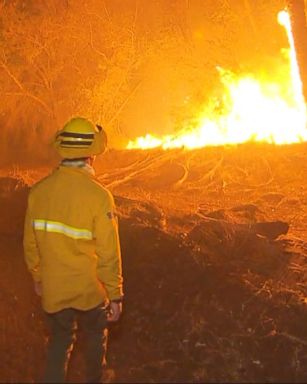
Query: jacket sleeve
[[109, 264], [31, 252]]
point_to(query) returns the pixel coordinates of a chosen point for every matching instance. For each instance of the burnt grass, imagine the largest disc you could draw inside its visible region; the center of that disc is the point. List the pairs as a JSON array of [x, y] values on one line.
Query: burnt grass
[[214, 257]]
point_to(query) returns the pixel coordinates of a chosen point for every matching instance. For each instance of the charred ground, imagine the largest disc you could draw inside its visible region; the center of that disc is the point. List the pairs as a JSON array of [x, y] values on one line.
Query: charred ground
[[214, 248]]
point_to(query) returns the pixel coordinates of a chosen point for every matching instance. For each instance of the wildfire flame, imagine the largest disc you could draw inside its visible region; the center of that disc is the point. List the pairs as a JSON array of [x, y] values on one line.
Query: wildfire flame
[[254, 110]]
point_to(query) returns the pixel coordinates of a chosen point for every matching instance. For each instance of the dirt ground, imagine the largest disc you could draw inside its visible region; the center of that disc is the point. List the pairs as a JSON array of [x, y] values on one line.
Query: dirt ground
[[214, 245]]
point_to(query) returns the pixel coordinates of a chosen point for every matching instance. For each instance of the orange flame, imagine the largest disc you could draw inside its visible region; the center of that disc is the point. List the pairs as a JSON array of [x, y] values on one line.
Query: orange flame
[[256, 111]]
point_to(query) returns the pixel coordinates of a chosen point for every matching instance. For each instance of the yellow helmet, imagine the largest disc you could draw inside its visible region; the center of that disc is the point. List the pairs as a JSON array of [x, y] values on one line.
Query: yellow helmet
[[80, 138]]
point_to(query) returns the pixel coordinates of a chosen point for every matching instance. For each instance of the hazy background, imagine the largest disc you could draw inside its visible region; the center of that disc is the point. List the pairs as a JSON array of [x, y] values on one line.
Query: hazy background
[[134, 66]]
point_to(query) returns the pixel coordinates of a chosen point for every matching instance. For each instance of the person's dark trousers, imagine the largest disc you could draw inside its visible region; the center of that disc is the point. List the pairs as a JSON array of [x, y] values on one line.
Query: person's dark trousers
[[63, 326]]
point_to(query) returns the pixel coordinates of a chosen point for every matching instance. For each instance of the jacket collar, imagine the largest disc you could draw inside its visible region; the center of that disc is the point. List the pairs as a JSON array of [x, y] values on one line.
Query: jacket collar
[[80, 164]]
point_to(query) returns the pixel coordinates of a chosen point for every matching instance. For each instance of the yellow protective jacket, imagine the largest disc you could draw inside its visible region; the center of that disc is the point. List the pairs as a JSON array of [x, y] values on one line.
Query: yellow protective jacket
[[71, 241]]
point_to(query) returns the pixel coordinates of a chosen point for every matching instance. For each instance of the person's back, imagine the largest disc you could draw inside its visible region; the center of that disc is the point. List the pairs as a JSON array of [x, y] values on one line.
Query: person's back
[[72, 250]]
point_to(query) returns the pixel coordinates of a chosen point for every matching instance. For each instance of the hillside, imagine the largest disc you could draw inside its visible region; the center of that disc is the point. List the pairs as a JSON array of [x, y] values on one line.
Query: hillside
[[214, 245]]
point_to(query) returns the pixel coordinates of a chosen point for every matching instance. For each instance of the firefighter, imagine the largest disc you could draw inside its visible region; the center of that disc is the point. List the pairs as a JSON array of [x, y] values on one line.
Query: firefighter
[[72, 250]]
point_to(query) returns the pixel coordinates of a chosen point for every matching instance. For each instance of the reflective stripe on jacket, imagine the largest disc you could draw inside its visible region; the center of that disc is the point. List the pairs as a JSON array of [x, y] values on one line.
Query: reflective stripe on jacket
[[71, 241]]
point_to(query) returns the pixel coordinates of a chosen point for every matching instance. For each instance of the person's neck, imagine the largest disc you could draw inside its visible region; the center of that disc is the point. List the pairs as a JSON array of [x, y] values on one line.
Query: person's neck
[[83, 163]]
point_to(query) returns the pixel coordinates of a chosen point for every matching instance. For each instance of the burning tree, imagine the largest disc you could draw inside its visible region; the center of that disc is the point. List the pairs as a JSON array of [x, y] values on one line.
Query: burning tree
[[299, 27], [253, 107]]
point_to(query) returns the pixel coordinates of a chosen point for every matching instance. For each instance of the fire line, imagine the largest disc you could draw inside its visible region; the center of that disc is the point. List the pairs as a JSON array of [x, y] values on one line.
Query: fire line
[[256, 110]]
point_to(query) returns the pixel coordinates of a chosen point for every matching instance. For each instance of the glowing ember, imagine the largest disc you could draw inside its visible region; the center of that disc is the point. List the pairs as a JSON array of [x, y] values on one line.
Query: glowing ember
[[254, 110]]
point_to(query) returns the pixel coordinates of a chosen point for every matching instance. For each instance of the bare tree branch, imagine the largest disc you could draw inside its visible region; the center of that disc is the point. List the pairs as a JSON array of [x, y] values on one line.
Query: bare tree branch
[[11, 75], [24, 91], [100, 53], [123, 104]]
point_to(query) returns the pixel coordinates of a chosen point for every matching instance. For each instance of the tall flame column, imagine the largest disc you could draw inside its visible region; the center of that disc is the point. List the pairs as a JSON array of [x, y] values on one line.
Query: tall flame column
[[296, 9]]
